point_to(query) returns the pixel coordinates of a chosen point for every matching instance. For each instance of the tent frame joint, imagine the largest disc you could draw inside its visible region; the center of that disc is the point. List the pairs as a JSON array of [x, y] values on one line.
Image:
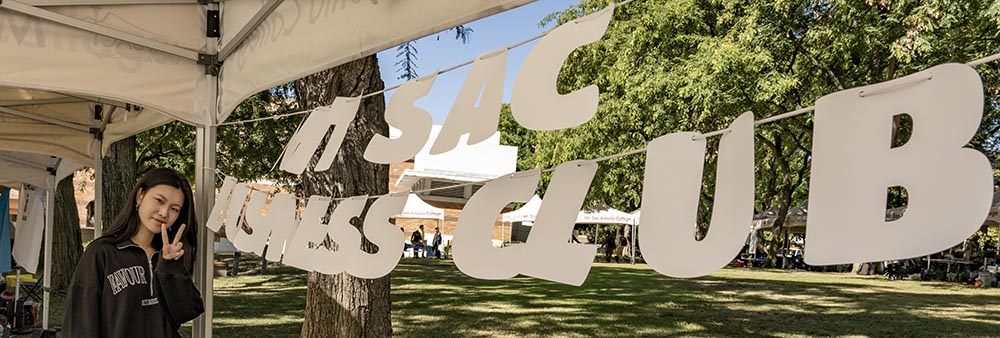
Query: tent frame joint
[[211, 63], [98, 133]]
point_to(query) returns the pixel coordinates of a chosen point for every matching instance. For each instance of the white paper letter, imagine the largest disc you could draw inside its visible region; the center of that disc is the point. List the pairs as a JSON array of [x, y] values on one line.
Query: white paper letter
[[218, 214], [473, 251], [345, 236], [276, 228], [949, 187], [414, 122], [547, 254], [236, 203], [481, 121], [383, 234], [305, 142], [310, 233], [671, 192], [535, 102]]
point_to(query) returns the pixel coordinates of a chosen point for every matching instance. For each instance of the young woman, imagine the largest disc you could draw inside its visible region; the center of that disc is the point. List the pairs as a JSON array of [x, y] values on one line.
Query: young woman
[[135, 280]]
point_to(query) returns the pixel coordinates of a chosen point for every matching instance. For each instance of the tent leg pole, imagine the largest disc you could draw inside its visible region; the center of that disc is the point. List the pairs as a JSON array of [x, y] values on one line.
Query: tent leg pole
[[205, 198], [50, 201], [632, 245], [99, 190]]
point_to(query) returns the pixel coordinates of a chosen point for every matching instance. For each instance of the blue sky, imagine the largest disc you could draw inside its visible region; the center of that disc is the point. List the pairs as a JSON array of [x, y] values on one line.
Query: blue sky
[[440, 51]]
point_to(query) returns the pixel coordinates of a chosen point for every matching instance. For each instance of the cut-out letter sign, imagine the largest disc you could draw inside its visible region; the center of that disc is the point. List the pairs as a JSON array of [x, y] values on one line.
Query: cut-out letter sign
[[547, 254], [480, 122], [535, 102], [386, 236], [346, 239], [276, 228], [671, 192], [474, 252], [310, 233], [306, 141], [949, 187], [415, 123], [237, 201], [218, 214]]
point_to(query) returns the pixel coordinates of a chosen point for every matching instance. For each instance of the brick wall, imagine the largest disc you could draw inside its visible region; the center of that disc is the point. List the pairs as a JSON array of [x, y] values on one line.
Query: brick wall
[[451, 211]]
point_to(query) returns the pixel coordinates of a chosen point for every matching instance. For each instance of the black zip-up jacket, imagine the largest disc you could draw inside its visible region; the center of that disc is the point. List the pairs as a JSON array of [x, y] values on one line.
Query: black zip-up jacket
[[118, 293]]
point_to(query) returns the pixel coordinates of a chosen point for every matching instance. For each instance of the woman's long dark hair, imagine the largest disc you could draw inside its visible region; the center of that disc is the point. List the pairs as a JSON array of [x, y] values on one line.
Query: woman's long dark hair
[[127, 223]]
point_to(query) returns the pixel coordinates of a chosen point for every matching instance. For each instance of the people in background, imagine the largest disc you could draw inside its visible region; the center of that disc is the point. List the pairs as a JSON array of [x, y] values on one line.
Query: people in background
[[436, 243], [418, 244]]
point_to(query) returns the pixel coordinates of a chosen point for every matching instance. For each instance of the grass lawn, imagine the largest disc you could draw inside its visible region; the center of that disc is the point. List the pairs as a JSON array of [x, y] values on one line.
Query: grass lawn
[[433, 299]]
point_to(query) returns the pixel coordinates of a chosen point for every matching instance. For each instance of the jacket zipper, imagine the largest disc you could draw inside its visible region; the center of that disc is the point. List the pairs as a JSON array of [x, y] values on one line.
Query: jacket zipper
[[151, 277], [150, 264]]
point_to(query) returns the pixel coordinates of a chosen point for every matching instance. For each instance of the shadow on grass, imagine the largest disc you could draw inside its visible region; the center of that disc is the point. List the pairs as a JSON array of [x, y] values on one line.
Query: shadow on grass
[[432, 298]]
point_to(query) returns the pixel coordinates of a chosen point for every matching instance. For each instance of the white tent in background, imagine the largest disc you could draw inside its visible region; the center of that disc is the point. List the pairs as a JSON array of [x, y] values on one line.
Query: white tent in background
[[523, 216], [417, 208], [994, 216], [40, 174], [606, 216], [147, 62], [526, 213]]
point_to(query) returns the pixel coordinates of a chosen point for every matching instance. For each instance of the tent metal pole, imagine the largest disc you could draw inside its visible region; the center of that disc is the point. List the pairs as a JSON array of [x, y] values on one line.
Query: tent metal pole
[[43, 3], [39, 118], [632, 244], [205, 198], [244, 32], [98, 29], [5, 103], [99, 189], [50, 201]]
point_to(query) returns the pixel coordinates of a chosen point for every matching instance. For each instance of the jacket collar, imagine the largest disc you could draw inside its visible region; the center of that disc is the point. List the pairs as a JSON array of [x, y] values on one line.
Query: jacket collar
[[126, 243]]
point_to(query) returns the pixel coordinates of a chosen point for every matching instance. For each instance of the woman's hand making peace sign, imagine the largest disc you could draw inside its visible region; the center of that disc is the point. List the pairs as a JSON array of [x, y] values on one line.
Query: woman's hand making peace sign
[[172, 250]]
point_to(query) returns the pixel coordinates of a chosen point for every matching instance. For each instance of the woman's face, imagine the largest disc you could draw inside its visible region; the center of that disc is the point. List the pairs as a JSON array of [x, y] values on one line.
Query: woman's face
[[159, 205]]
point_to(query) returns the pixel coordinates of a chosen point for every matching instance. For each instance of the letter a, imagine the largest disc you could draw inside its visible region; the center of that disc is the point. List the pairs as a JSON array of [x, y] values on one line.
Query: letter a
[[948, 186], [480, 121]]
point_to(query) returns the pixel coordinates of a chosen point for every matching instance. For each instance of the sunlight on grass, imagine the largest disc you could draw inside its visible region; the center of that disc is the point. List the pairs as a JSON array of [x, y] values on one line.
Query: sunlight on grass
[[431, 298]]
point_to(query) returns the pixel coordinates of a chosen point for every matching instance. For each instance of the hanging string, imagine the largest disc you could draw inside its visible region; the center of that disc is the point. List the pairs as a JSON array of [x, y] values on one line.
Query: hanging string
[[446, 70]]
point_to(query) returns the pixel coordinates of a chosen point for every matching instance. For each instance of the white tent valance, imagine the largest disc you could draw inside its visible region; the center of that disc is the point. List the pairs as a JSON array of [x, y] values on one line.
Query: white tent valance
[[526, 213], [417, 208], [27, 168], [606, 216]]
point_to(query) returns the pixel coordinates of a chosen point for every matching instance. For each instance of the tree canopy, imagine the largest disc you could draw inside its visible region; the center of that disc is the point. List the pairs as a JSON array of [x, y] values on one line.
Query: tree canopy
[[695, 65]]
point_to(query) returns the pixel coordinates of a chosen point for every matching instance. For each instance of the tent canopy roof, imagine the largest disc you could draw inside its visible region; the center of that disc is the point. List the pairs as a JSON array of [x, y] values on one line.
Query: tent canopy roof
[[27, 168], [417, 208]]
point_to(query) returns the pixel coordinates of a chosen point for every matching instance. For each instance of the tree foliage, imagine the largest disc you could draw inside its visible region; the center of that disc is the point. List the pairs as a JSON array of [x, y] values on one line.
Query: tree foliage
[[695, 65], [248, 151]]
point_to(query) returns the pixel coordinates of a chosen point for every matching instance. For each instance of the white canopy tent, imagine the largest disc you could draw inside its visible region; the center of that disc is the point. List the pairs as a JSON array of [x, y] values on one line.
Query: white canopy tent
[[606, 216], [526, 213], [43, 172], [417, 208], [147, 62]]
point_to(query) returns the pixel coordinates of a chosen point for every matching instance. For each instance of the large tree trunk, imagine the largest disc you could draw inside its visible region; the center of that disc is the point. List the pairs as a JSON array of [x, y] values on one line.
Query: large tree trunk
[[66, 242], [119, 178], [342, 305]]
